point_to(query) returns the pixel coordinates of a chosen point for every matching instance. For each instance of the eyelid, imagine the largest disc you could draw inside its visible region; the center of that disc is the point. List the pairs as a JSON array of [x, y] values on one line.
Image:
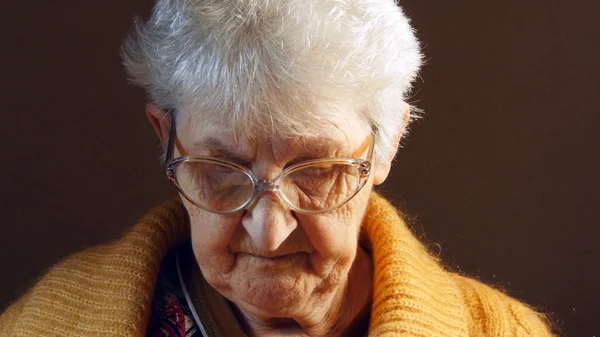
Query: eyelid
[[303, 160], [298, 160]]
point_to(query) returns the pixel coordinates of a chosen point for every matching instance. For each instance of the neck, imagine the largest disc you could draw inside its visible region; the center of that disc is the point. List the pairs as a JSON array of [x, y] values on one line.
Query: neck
[[347, 312]]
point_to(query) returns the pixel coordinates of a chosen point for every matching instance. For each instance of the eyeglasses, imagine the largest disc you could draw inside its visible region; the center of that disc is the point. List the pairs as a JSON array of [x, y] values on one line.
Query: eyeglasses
[[312, 186]]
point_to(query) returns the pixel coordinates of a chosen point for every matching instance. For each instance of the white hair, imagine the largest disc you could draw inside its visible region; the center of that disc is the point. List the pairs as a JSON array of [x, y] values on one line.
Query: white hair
[[279, 66]]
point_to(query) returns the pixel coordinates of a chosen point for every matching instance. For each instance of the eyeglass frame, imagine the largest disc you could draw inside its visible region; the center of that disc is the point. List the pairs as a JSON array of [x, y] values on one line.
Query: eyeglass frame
[[264, 185]]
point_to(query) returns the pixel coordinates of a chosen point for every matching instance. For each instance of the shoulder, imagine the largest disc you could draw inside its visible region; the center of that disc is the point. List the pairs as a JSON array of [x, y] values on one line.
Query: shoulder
[[494, 313], [56, 295], [103, 289], [76, 295]]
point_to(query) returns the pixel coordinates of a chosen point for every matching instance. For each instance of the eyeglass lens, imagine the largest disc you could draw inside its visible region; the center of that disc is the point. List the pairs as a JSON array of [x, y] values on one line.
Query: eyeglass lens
[[222, 188]]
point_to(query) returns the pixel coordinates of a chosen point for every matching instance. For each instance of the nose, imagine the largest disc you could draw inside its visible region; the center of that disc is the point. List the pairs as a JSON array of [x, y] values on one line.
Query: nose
[[269, 222]]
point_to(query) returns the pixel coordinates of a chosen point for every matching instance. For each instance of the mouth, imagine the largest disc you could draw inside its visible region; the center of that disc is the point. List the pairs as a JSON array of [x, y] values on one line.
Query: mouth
[[278, 260]]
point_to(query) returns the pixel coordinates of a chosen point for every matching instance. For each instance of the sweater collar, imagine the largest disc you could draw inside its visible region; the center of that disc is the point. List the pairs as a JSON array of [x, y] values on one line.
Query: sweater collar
[[412, 293]]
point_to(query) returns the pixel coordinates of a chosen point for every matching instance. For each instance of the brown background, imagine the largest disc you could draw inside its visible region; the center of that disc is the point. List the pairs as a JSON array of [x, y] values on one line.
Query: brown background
[[502, 172]]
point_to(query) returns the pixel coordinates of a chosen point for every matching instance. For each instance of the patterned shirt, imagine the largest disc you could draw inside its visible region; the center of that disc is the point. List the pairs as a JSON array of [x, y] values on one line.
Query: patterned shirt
[[171, 315]]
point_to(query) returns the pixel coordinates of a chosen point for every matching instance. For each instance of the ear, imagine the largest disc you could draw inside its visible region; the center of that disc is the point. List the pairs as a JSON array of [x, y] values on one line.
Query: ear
[[161, 121], [383, 166]]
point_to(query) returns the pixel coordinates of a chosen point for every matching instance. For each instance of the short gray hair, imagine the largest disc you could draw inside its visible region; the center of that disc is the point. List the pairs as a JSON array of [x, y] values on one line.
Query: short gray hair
[[279, 66]]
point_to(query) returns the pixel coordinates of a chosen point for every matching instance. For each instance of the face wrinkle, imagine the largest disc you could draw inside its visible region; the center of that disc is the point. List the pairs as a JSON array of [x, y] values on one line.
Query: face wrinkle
[[325, 276]]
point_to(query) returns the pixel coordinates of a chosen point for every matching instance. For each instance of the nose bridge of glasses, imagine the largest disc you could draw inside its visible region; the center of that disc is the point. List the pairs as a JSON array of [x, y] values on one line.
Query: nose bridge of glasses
[[267, 185]]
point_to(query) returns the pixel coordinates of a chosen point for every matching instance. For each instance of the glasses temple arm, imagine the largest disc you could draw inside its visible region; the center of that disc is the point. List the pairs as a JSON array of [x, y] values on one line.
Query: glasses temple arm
[[169, 154]]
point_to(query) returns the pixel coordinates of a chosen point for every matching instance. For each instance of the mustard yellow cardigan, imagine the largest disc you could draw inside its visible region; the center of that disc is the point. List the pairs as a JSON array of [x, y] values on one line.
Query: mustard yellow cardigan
[[107, 290]]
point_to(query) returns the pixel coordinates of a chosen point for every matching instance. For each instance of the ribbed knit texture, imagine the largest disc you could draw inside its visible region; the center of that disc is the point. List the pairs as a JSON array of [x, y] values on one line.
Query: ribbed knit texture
[[107, 290], [415, 296]]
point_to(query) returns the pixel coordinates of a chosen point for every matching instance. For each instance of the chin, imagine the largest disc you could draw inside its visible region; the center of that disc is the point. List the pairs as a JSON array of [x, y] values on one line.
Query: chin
[[268, 298], [271, 287]]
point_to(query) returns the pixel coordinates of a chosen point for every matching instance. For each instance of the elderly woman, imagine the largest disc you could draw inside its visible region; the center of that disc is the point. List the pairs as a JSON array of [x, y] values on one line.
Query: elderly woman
[[277, 118]]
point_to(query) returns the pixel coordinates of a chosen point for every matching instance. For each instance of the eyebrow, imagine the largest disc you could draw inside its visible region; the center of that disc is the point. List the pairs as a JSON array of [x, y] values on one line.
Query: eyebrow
[[321, 150], [312, 151], [315, 151], [215, 145]]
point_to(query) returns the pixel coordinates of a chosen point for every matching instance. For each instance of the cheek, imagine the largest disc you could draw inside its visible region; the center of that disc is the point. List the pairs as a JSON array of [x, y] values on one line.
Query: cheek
[[334, 235], [210, 236]]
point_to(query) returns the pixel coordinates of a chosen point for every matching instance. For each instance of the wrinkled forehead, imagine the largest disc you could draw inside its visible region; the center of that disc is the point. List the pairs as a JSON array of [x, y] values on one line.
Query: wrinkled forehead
[[335, 133]]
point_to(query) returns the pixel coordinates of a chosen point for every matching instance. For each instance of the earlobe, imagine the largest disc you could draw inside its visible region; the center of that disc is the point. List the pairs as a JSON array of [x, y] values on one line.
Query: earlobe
[[160, 120], [380, 172]]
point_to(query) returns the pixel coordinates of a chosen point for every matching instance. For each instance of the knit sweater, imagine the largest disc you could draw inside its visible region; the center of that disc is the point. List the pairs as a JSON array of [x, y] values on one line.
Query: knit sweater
[[107, 290]]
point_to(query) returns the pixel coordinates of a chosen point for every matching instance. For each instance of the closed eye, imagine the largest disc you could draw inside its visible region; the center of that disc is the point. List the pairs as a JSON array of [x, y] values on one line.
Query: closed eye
[[230, 158]]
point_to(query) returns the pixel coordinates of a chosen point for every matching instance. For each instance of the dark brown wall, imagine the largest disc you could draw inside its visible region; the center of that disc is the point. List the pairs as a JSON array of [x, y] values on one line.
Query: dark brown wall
[[502, 171]]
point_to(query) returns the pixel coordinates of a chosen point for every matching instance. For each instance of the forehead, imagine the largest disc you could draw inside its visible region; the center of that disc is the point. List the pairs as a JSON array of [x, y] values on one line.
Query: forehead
[[340, 133]]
